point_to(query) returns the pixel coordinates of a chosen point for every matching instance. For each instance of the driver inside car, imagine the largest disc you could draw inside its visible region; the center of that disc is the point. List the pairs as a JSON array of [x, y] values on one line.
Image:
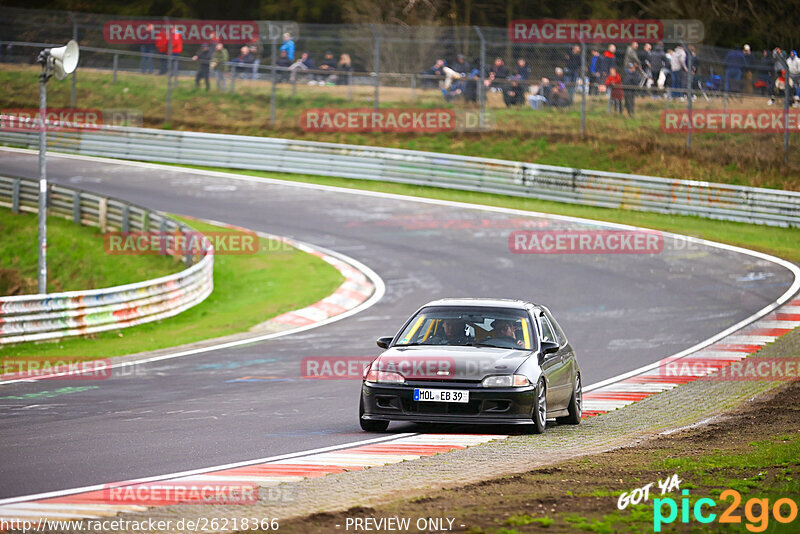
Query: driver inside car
[[506, 331], [452, 333]]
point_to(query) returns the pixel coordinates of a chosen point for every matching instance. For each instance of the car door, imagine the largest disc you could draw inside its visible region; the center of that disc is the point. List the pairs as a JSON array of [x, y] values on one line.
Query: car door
[[556, 368]]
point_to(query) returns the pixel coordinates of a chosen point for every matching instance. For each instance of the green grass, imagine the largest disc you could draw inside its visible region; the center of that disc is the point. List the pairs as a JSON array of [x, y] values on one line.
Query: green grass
[[76, 258], [248, 289], [782, 242], [612, 142]]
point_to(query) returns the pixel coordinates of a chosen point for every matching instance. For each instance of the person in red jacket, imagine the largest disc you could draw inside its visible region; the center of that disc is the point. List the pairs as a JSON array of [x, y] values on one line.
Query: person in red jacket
[[614, 82], [162, 45]]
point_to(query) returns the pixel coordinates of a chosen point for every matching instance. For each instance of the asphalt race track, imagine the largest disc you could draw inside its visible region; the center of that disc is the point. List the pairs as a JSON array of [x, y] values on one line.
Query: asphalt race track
[[621, 311]]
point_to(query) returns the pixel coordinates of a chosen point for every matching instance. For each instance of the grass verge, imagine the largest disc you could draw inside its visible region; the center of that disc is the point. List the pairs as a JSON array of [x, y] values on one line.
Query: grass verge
[[612, 142], [782, 242], [76, 258], [248, 289]]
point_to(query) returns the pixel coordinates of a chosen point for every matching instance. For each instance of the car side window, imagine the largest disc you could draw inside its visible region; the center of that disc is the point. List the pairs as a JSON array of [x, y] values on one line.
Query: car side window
[[556, 328], [547, 330]]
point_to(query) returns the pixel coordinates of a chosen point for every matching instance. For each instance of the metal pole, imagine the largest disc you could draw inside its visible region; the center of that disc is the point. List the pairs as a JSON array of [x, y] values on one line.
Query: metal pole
[[583, 89], [786, 99], [689, 94], [481, 86], [42, 278], [74, 72], [116, 64], [169, 67], [377, 61], [274, 82]]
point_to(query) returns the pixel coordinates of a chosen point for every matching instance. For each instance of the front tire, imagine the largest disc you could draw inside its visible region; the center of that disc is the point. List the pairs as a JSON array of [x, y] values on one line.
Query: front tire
[[575, 407], [370, 426], [540, 409]]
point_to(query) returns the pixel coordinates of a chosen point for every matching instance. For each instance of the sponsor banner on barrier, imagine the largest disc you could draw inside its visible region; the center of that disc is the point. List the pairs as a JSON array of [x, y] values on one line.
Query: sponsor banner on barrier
[[170, 493], [573, 31], [716, 369], [585, 242], [173, 243], [334, 367], [67, 119], [731, 120], [17, 368], [433, 120], [193, 31]]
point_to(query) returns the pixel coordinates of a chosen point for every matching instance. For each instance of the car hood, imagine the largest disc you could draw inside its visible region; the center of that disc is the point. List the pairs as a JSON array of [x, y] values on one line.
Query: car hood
[[450, 363]]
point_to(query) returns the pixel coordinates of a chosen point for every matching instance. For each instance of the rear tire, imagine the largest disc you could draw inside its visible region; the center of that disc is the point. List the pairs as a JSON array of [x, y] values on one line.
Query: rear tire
[[539, 409], [575, 408], [370, 426]]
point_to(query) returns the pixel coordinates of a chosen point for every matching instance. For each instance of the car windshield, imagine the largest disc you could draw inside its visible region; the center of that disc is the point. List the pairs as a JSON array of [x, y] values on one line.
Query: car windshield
[[469, 326]]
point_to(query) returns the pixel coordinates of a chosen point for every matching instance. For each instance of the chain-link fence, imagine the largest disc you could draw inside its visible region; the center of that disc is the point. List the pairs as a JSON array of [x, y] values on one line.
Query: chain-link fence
[[380, 66]]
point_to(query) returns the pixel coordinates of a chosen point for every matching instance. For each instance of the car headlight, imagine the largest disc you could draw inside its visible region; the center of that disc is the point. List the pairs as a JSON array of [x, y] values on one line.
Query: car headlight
[[384, 377], [505, 381]]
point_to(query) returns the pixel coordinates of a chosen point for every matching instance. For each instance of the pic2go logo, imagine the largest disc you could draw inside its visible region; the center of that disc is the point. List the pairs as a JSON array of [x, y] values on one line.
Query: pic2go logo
[[756, 511]]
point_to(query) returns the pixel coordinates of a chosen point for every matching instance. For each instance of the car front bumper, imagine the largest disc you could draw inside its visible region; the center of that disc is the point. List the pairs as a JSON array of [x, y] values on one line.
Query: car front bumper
[[486, 406]]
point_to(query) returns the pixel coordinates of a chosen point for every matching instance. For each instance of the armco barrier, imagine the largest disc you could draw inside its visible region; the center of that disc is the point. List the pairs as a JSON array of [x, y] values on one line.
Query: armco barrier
[[55, 315], [578, 186]]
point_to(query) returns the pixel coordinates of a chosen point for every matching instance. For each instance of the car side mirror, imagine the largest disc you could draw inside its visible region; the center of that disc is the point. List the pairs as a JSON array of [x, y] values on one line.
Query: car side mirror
[[383, 342], [548, 347]]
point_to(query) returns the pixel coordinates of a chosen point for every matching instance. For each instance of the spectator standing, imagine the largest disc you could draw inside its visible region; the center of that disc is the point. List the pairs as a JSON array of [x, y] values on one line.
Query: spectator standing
[[632, 55], [630, 82], [573, 67], [288, 46], [147, 49], [203, 58], [255, 52], [678, 68], [242, 62], [735, 64], [606, 61], [749, 63], [219, 64], [614, 83], [794, 73], [594, 73], [345, 65], [659, 65], [764, 81]]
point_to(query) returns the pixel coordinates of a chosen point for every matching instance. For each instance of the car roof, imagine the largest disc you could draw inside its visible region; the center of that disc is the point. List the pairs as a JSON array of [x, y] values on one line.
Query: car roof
[[485, 302]]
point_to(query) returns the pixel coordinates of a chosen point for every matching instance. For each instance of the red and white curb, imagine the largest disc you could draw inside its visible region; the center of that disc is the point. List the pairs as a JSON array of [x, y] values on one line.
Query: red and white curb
[[97, 501], [676, 370]]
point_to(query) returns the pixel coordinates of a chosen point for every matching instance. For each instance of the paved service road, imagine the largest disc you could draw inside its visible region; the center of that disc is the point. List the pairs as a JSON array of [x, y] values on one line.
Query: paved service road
[[621, 311]]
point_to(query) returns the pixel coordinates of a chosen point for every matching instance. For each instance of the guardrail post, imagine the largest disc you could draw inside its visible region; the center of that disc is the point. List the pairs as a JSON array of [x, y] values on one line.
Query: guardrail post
[[162, 232], [413, 87], [76, 207], [116, 64], [233, 78], [102, 214], [350, 85], [145, 223], [294, 86], [15, 196], [126, 215]]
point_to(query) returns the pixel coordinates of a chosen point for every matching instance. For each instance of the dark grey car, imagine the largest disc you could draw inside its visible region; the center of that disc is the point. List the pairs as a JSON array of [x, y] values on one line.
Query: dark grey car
[[481, 361]]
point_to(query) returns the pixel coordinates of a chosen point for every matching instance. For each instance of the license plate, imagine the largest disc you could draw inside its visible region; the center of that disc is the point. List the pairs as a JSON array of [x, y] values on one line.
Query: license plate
[[441, 395]]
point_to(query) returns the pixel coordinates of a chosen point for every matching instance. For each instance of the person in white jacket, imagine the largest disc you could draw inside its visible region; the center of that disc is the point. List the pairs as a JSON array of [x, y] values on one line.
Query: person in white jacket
[[678, 66], [794, 73]]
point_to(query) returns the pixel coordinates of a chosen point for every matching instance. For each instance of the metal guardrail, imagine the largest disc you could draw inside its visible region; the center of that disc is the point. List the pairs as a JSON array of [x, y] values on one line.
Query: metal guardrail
[[562, 184], [55, 315]]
